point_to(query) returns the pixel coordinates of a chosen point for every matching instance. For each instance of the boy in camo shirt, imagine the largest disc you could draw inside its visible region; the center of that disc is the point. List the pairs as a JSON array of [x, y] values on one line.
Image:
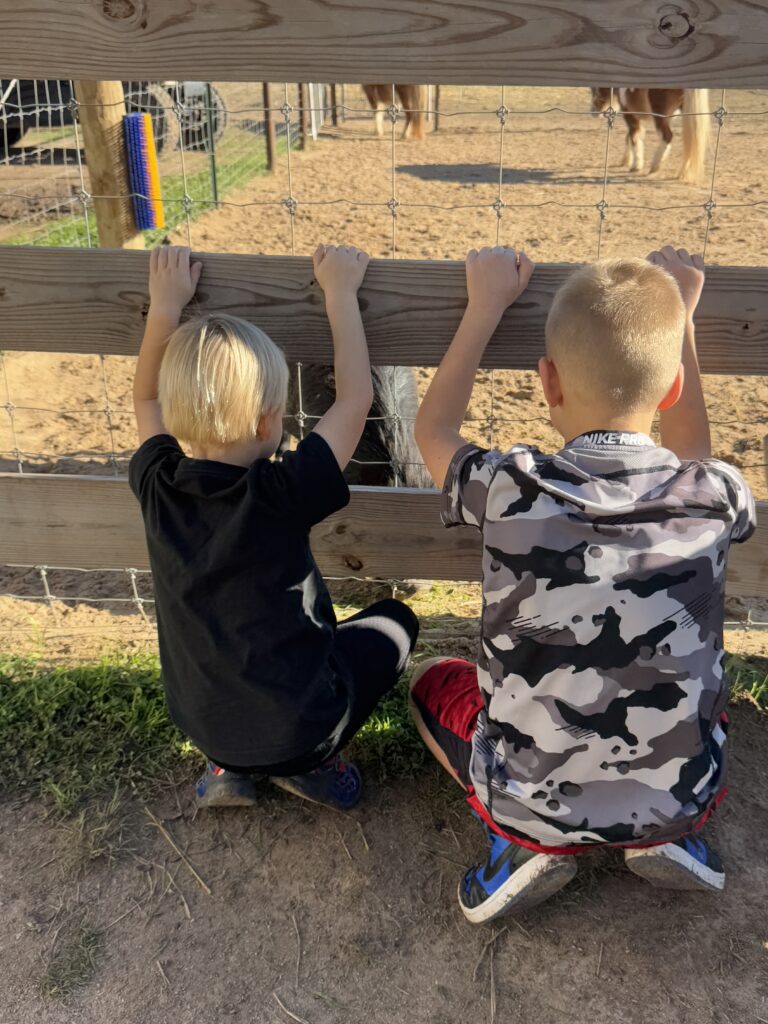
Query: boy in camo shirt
[[596, 712]]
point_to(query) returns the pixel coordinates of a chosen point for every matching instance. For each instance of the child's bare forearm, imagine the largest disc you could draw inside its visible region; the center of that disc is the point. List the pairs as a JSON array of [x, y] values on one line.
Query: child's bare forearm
[[352, 368], [447, 399], [685, 427], [161, 323]]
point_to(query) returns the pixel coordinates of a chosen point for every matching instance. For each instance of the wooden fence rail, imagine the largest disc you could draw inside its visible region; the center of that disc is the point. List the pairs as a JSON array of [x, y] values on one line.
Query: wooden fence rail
[[384, 533], [94, 301], [570, 42]]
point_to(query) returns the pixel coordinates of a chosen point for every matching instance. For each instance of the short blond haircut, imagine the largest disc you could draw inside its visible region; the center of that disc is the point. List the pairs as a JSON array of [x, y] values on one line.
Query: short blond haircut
[[615, 334], [220, 374]]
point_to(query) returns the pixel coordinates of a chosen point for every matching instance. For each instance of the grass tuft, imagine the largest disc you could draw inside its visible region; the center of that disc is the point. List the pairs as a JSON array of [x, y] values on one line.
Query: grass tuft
[[86, 734], [74, 960]]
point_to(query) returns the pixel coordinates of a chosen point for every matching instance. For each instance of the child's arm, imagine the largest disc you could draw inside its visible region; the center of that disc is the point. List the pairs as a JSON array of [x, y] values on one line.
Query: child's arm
[[495, 278], [172, 283], [685, 426], [339, 271]]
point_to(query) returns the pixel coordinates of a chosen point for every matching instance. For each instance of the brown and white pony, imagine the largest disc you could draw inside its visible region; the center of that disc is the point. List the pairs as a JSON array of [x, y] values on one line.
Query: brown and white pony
[[412, 99], [638, 105]]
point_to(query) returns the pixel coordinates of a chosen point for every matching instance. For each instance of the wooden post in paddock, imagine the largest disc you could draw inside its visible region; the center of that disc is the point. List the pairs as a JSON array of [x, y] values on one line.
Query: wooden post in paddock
[[101, 120], [436, 108], [304, 128], [269, 126], [334, 111]]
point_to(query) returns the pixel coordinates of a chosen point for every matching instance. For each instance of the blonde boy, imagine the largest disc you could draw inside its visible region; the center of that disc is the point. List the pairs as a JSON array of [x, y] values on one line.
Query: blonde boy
[[256, 670], [596, 712]]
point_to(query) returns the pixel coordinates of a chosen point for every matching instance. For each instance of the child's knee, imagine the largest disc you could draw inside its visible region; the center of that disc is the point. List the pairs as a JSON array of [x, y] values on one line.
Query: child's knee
[[422, 668]]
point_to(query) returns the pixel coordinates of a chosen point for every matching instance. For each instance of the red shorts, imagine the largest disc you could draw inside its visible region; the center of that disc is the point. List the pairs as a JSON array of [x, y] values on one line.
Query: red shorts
[[449, 699]]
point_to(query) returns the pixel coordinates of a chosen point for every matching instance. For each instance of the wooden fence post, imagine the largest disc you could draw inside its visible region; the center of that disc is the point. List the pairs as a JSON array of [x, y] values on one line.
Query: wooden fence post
[[304, 128], [269, 126], [334, 111], [101, 119], [437, 107]]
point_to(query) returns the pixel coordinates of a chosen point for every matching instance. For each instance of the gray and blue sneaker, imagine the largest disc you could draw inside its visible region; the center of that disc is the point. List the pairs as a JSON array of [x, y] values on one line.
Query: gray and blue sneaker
[[336, 783], [687, 863], [513, 879], [220, 788]]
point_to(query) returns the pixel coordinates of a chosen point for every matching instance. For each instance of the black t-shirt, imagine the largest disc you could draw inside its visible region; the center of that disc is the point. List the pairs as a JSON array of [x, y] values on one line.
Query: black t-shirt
[[245, 622]]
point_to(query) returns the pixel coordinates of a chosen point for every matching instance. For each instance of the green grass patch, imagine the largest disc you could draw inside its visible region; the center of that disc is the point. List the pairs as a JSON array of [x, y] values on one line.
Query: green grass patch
[[240, 157], [80, 733], [74, 960]]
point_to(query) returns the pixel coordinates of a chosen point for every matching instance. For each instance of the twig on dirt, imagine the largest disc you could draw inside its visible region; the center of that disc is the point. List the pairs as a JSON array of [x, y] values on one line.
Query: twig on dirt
[[599, 961], [492, 980], [439, 853], [284, 1008], [117, 920], [172, 842], [162, 973], [455, 837], [485, 949], [362, 836], [298, 948], [521, 927], [172, 885], [343, 843]]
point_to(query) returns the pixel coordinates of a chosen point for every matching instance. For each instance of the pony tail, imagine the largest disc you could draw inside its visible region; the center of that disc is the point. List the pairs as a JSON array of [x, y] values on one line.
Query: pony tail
[[696, 129]]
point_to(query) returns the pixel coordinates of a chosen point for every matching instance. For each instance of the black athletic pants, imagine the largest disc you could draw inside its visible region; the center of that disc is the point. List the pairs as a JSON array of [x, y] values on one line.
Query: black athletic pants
[[374, 645]]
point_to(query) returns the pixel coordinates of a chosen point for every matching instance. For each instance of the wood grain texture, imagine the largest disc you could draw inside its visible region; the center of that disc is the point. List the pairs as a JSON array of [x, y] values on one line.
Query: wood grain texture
[[90, 301], [94, 301], [384, 533], [101, 122], [571, 42]]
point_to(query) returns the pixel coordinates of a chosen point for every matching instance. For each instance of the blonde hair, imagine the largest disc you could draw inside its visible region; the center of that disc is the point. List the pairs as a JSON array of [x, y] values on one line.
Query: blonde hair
[[220, 374], [615, 334]]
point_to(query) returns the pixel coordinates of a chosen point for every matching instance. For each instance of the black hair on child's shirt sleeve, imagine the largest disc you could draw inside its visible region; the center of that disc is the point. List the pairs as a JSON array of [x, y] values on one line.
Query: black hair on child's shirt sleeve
[[306, 486], [157, 451]]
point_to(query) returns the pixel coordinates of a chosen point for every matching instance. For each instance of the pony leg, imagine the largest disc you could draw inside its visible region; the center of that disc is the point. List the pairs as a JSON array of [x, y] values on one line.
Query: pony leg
[[380, 108], [639, 150], [664, 146]]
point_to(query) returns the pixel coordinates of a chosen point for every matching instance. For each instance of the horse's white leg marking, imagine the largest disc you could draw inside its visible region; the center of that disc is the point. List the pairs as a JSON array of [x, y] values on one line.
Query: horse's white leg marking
[[380, 108], [661, 154], [639, 152]]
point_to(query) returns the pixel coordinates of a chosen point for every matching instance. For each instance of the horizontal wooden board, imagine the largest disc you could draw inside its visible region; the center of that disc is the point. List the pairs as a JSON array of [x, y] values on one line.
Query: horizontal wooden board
[[95, 300], [384, 533], [571, 42]]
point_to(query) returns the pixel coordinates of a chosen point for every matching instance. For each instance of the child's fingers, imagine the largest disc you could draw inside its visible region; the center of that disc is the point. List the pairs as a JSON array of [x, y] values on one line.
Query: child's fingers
[[526, 267], [153, 260], [471, 255], [698, 262], [182, 260], [684, 255], [655, 257], [668, 252], [195, 271]]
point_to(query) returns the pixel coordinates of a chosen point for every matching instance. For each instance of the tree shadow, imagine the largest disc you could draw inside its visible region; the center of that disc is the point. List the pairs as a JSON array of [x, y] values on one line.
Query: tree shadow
[[488, 174]]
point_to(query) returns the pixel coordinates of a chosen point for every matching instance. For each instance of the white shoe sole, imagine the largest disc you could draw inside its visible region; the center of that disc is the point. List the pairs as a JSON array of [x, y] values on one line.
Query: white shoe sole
[[669, 867], [534, 882]]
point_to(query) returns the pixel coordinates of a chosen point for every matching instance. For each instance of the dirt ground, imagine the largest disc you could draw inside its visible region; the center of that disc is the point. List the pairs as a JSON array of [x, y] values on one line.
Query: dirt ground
[[352, 918]]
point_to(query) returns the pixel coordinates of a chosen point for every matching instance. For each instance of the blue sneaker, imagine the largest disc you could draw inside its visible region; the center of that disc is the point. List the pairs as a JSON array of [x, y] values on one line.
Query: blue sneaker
[[512, 879], [336, 783], [220, 788], [687, 863]]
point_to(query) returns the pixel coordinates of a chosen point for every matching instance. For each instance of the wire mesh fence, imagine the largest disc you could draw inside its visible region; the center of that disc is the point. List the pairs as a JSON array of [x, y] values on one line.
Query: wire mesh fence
[[212, 149]]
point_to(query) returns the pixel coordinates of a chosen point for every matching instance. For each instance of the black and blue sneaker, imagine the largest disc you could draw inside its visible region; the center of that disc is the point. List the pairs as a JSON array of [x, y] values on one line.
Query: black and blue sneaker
[[336, 783], [220, 788], [687, 863], [512, 879]]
